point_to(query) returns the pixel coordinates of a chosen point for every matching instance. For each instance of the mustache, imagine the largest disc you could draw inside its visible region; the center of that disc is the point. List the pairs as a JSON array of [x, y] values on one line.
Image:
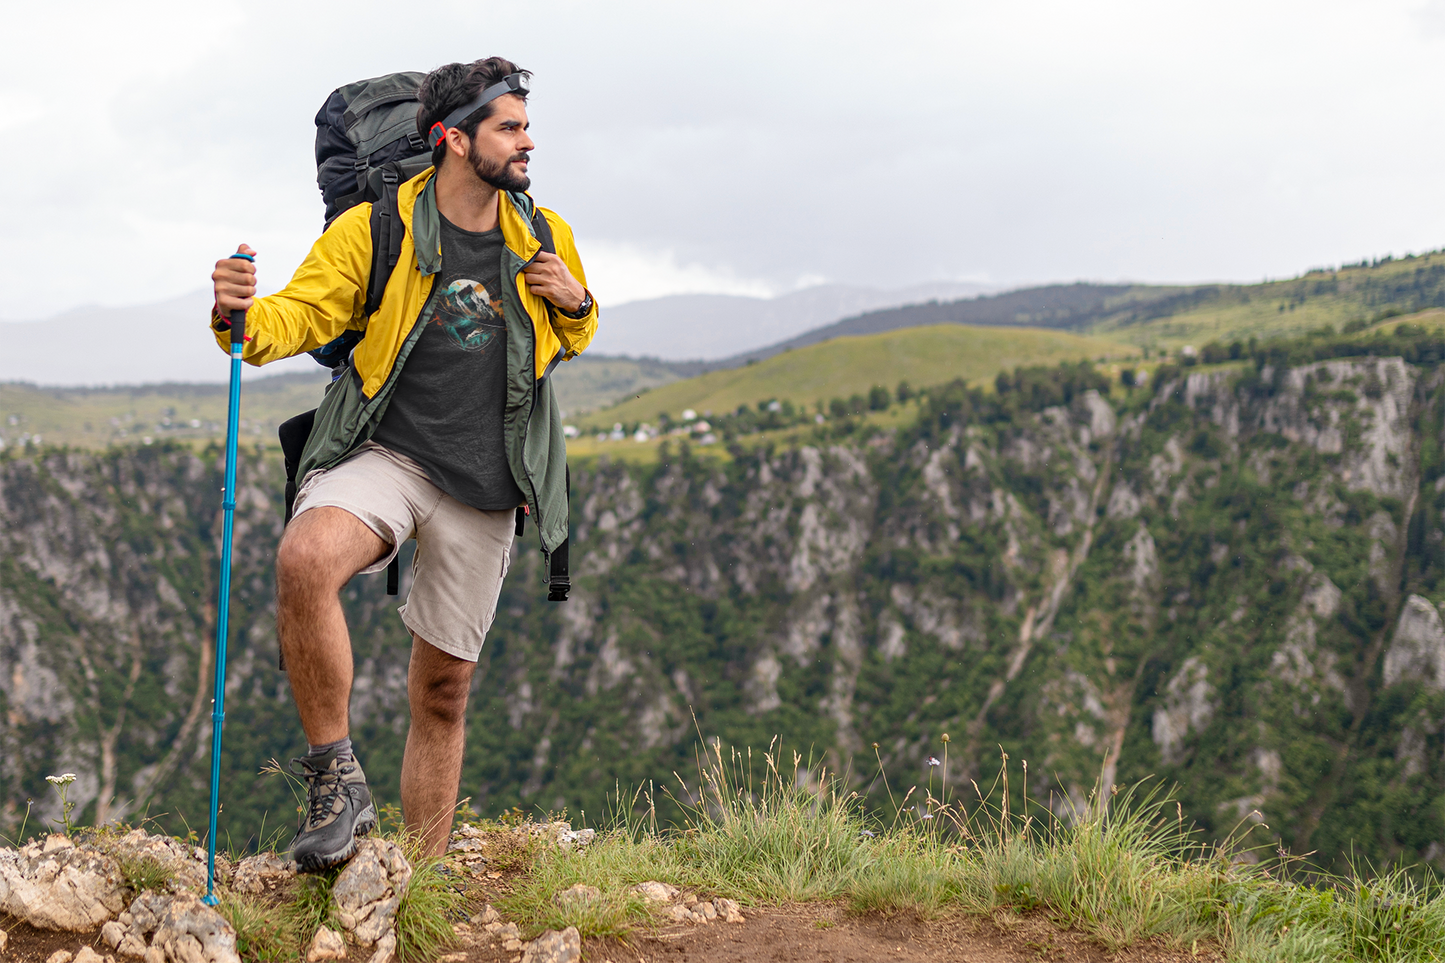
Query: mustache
[[525, 156]]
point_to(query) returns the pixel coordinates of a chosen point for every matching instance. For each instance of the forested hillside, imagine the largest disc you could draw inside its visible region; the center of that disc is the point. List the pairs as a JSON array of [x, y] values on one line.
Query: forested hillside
[[1228, 579]]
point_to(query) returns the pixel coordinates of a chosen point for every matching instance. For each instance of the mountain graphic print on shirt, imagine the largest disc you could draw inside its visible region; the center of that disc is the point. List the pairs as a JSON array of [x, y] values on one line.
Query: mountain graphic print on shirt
[[469, 315], [446, 412]]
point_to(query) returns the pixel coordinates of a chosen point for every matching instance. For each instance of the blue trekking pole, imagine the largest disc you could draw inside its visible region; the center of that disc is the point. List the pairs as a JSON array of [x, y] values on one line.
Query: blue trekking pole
[[223, 603]]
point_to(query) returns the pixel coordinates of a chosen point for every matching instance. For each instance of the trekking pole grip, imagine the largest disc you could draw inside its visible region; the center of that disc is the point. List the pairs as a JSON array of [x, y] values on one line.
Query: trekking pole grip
[[238, 316]]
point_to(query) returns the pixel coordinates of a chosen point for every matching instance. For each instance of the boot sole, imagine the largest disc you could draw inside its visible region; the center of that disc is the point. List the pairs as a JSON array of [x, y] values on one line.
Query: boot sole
[[320, 862]]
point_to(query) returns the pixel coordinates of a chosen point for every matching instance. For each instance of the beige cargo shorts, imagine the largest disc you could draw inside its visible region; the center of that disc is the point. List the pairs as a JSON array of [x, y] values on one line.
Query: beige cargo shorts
[[462, 554]]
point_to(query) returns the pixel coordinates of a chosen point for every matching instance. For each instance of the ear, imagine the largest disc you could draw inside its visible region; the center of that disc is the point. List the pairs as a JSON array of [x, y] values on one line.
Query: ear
[[457, 143]]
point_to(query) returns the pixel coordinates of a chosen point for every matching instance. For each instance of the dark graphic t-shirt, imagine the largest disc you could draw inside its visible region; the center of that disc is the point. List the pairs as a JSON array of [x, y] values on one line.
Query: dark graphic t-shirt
[[447, 408]]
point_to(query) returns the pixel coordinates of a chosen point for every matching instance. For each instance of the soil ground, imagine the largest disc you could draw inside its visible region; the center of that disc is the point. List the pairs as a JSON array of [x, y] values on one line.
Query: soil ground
[[808, 933]]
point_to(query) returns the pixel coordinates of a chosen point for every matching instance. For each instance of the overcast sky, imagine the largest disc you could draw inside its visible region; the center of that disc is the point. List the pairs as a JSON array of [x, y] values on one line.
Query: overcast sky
[[750, 147]]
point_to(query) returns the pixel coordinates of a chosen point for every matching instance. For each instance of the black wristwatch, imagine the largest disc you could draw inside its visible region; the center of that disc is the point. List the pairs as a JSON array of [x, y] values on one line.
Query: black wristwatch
[[582, 308]]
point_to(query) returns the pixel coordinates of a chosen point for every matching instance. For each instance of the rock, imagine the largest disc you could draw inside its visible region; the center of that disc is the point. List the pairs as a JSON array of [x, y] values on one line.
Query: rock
[[154, 954], [729, 911], [192, 932], [678, 914], [112, 933], [504, 931], [131, 946], [59, 956], [512, 945], [385, 948], [487, 915], [560, 834], [262, 872], [87, 955], [655, 892], [579, 893], [1417, 651], [327, 944], [184, 866], [368, 891], [56, 885], [4, 940], [708, 911], [555, 947]]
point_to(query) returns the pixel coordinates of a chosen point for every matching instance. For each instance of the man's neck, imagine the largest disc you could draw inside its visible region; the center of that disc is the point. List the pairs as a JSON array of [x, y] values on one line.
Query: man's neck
[[465, 199]]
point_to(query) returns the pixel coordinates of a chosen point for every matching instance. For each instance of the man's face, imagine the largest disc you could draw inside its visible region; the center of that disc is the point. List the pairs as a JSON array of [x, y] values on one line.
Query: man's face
[[499, 151]]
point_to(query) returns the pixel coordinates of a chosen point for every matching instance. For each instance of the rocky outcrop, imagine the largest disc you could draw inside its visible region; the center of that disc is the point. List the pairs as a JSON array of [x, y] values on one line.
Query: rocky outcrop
[[367, 894], [172, 929], [1417, 649], [54, 884]]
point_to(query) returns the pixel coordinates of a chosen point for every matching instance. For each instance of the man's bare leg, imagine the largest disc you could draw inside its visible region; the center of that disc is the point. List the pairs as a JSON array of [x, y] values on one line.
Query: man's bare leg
[[437, 685], [320, 552]]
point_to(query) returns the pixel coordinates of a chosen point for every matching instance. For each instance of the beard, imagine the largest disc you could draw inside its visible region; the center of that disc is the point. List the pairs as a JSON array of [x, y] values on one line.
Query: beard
[[499, 174]]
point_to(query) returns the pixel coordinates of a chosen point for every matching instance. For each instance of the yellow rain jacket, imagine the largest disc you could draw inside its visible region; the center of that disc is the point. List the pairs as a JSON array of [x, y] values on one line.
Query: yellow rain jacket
[[326, 297]]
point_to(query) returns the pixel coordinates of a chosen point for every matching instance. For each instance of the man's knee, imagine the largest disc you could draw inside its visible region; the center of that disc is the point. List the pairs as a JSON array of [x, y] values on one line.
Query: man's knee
[[439, 694], [319, 552]]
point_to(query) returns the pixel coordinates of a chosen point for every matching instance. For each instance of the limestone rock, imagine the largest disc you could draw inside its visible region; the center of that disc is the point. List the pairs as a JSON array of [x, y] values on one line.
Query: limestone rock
[[262, 872], [87, 955], [55, 885], [488, 914], [555, 947], [385, 948], [59, 956], [185, 866], [504, 931], [560, 834], [368, 892], [1417, 650], [192, 932], [579, 893], [655, 892], [4, 940], [326, 945], [112, 932], [729, 911]]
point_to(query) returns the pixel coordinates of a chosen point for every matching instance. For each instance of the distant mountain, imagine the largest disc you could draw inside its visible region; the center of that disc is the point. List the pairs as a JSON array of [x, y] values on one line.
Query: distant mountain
[[709, 327], [143, 344], [165, 341]]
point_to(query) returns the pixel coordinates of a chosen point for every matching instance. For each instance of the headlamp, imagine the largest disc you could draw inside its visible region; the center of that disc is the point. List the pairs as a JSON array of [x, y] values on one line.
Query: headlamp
[[510, 84]]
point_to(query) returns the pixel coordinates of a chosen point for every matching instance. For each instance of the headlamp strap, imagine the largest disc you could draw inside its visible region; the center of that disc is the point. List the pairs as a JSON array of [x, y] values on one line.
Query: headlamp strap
[[510, 84]]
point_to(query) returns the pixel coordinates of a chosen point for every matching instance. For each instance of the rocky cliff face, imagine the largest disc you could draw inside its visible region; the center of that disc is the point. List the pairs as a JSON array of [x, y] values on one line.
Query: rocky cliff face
[[1230, 582]]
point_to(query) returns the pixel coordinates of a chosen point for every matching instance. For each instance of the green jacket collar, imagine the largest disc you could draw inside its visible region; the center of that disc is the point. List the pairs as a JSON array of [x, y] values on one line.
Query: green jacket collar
[[426, 224]]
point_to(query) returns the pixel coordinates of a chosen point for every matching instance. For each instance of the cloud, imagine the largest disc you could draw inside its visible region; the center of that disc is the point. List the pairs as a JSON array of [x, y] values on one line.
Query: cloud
[[1431, 18], [740, 147], [618, 272]]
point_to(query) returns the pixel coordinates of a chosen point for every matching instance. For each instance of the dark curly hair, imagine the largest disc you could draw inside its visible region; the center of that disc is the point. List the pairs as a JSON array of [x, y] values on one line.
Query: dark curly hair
[[453, 85]]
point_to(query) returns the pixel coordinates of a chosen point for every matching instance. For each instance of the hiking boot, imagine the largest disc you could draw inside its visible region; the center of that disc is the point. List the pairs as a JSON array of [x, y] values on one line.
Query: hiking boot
[[340, 809]]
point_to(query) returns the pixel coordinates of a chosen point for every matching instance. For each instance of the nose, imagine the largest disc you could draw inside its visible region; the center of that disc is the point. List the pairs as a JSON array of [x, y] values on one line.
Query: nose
[[526, 143]]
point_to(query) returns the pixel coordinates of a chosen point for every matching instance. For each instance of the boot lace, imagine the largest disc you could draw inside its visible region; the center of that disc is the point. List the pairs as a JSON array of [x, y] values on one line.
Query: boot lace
[[323, 787]]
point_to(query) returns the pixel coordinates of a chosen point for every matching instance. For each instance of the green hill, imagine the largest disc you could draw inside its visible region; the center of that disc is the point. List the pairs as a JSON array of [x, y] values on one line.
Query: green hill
[[1169, 317], [849, 365]]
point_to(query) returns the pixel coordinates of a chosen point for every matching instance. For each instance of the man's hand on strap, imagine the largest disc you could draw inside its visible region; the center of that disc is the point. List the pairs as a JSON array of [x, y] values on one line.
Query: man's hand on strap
[[548, 276]]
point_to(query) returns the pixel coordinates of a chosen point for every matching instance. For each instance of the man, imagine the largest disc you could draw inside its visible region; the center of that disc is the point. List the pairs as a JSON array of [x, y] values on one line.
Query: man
[[440, 427]]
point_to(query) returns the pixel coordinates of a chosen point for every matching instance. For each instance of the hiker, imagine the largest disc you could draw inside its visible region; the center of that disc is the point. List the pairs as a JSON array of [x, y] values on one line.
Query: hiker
[[440, 427]]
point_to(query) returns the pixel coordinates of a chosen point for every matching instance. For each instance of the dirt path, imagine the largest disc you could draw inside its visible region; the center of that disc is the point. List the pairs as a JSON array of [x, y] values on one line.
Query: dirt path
[[809, 933]]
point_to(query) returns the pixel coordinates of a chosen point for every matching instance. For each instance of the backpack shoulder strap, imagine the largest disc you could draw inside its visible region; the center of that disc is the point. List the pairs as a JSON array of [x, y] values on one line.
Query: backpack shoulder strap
[[543, 231], [386, 234]]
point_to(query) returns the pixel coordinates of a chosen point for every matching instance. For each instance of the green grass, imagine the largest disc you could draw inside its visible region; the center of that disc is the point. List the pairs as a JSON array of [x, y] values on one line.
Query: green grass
[[845, 366], [1122, 867], [1279, 309], [97, 417]]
